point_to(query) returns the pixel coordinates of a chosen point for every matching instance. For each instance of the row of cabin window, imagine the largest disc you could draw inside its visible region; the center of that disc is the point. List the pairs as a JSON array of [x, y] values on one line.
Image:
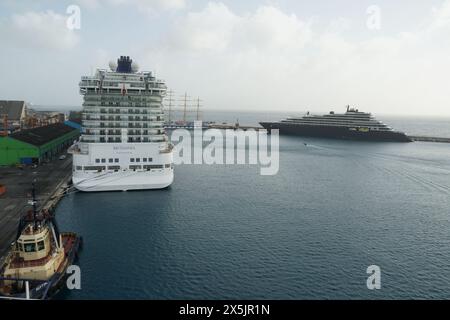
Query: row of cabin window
[[138, 139], [133, 167], [116, 160], [139, 159]]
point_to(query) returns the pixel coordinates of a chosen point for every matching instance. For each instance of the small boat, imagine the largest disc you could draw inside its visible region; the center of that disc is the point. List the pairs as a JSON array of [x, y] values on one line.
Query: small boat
[[35, 267]]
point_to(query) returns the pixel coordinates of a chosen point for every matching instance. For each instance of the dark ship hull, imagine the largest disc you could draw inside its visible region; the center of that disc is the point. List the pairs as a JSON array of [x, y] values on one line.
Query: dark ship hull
[[334, 132]]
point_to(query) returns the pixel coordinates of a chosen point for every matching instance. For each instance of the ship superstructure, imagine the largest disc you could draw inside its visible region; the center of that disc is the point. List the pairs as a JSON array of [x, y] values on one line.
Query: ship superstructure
[[353, 124], [123, 145]]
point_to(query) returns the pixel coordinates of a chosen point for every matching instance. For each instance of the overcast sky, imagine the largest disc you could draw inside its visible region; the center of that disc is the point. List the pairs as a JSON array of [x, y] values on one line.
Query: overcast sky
[[384, 56]]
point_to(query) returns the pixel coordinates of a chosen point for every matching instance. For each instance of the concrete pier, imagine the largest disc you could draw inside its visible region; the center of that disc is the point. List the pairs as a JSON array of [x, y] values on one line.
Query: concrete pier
[[430, 139], [51, 179], [234, 127], [414, 138]]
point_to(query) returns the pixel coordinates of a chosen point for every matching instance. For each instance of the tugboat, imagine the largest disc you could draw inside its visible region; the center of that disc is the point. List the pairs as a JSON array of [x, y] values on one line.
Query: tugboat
[[36, 265]]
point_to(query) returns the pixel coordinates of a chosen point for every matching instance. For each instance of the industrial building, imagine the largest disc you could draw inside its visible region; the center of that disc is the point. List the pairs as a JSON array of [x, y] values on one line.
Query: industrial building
[[74, 120], [40, 118], [13, 114], [33, 146]]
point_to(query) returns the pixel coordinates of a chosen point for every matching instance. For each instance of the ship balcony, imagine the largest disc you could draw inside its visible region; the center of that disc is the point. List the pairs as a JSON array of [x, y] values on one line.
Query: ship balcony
[[112, 125], [118, 108], [113, 95], [124, 112], [137, 85], [89, 78], [89, 139], [152, 132], [104, 139], [149, 121], [121, 126], [116, 92], [146, 139], [89, 85], [146, 132], [122, 103], [122, 115]]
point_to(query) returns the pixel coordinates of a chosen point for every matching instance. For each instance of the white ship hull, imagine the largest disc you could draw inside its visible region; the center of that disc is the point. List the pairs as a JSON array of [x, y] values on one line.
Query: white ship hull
[[122, 181], [122, 166]]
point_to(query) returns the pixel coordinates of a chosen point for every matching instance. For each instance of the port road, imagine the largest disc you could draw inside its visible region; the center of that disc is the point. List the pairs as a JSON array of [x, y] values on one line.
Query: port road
[[14, 203]]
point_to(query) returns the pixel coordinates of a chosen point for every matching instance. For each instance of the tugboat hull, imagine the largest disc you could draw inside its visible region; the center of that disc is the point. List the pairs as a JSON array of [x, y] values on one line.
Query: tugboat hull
[[14, 288]]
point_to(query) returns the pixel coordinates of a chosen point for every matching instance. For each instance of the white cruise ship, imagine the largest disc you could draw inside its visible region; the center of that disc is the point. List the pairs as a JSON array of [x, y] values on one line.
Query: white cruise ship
[[123, 144]]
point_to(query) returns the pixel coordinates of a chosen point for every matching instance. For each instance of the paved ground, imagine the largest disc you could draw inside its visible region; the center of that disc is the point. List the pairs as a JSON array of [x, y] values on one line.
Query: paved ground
[[18, 191]]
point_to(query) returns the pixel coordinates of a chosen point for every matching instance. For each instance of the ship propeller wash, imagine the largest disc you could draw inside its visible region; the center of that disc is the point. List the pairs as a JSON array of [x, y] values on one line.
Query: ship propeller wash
[[123, 145]]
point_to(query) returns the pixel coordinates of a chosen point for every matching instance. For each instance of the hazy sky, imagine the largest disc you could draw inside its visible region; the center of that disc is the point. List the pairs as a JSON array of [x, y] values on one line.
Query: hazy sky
[[384, 56]]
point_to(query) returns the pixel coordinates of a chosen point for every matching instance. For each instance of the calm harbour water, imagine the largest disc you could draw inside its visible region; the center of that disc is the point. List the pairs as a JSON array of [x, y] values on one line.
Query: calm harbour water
[[309, 232]]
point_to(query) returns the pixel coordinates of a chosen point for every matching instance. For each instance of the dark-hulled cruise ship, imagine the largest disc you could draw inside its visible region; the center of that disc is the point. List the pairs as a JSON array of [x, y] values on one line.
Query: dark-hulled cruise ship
[[353, 124]]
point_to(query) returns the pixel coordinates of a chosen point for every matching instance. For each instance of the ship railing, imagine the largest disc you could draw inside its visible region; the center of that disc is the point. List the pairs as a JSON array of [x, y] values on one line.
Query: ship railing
[[152, 113], [31, 263], [96, 132], [93, 103], [97, 139], [96, 122], [116, 92], [5, 280], [98, 127]]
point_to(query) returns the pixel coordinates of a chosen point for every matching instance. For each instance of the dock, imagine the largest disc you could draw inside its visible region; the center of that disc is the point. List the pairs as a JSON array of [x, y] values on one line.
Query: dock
[[51, 179], [430, 139], [235, 127]]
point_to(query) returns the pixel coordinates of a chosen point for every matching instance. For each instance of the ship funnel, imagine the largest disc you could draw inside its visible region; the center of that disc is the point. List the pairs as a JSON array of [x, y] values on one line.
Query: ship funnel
[[124, 64]]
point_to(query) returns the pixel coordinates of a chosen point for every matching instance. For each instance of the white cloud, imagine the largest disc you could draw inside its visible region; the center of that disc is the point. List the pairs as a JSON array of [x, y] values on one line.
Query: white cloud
[[209, 29], [271, 29], [149, 6], [217, 28], [38, 30], [268, 59], [441, 16]]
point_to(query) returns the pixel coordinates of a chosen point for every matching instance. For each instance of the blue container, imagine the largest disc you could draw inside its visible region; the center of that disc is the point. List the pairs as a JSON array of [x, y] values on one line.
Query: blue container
[[26, 160]]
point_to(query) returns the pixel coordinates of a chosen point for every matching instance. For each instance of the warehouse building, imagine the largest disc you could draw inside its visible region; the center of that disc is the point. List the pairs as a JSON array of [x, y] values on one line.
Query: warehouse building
[[13, 113], [74, 120], [36, 145]]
